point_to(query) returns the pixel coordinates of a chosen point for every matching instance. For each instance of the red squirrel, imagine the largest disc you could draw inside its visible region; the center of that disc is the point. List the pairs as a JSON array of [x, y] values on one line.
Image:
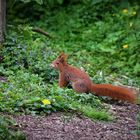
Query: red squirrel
[[81, 82]]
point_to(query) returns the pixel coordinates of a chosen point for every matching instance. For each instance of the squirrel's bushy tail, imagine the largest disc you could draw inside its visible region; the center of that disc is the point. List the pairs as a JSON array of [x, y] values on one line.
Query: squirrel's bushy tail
[[115, 92]]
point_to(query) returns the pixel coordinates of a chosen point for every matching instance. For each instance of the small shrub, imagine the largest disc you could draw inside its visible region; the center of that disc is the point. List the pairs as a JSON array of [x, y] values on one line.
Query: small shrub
[[7, 132]]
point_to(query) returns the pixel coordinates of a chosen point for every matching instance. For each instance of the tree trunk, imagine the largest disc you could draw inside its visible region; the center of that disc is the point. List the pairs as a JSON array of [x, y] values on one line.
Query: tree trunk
[[2, 19]]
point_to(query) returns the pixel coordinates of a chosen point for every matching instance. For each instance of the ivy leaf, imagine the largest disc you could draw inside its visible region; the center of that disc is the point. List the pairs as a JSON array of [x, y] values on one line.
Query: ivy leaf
[[39, 2], [25, 1], [60, 1], [137, 69]]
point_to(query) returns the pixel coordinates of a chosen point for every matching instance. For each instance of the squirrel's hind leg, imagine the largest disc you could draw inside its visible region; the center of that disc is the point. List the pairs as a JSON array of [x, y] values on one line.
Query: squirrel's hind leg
[[80, 86]]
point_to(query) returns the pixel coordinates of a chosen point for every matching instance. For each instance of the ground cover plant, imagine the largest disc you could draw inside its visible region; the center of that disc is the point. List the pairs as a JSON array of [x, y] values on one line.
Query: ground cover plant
[[101, 37], [8, 130]]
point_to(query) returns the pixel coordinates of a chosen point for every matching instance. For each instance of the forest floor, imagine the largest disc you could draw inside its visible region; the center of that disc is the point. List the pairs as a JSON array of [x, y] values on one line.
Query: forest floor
[[68, 126]]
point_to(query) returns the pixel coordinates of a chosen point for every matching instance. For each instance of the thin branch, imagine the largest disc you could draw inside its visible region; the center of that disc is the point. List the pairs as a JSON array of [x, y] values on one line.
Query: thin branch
[[38, 30]]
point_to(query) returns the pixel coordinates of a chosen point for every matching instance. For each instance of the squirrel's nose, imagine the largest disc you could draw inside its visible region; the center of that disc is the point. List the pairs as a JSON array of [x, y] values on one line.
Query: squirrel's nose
[[52, 65]]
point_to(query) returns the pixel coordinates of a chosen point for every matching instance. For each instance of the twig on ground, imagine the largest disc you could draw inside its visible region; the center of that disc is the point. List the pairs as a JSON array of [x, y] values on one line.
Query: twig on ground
[[38, 30]]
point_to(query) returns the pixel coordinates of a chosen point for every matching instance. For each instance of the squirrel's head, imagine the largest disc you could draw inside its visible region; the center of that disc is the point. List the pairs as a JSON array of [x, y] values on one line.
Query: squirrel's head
[[60, 61]]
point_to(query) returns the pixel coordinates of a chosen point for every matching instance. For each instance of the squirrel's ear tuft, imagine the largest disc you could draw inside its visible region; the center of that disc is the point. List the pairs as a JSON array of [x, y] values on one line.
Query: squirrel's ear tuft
[[63, 56]]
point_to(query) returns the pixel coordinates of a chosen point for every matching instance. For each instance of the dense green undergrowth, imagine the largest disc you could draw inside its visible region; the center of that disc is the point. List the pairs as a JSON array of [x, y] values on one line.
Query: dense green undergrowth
[[8, 129], [27, 93], [104, 39]]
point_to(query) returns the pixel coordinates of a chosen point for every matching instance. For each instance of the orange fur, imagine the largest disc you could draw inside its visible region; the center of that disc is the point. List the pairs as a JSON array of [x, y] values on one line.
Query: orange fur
[[80, 82]]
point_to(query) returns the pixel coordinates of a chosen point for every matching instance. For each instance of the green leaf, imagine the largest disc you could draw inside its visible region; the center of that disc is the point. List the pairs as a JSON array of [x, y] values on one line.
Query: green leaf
[[60, 1], [25, 1], [39, 1], [137, 69]]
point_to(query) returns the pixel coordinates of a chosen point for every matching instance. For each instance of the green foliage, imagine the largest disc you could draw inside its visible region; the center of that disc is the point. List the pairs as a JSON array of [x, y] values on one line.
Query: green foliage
[[28, 51], [87, 30], [38, 1], [25, 92], [91, 112], [100, 36], [32, 9], [7, 132], [43, 1]]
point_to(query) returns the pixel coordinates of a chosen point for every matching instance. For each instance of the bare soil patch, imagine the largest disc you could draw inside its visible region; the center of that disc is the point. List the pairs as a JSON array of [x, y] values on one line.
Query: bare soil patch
[[65, 126]]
